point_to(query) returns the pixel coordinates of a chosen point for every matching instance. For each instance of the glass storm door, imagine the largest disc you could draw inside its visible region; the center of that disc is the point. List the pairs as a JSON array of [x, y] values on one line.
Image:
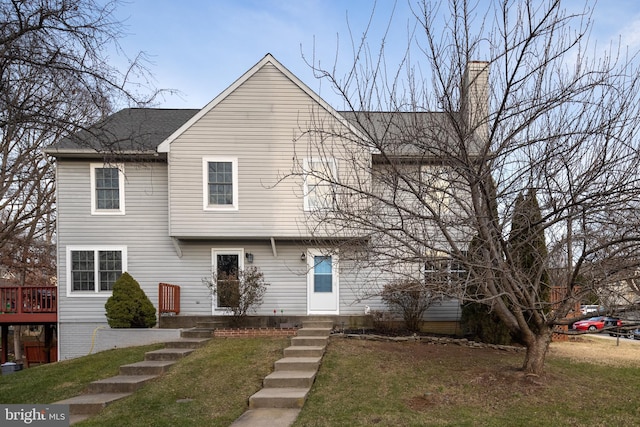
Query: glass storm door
[[226, 265], [322, 283]]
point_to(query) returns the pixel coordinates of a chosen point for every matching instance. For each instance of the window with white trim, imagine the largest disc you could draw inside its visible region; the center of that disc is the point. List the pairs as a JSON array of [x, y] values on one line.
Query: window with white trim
[[220, 183], [437, 187], [107, 189], [93, 270], [322, 273], [444, 271], [319, 176]]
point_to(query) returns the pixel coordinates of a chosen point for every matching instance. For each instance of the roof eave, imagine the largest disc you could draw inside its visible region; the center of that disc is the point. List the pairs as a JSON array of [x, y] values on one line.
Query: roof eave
[[87, 153]]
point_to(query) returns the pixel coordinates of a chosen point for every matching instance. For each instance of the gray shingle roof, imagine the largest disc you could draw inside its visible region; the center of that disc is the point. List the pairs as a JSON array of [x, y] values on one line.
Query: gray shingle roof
[[141, 130], [128, 130]]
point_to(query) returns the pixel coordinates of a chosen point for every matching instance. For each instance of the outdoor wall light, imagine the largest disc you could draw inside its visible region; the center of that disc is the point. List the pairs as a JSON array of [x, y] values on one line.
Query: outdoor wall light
[[303, 257], [249, 257]]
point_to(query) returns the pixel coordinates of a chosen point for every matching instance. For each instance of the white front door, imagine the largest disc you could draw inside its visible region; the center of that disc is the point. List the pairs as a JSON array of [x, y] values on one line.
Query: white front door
[[322, 283]]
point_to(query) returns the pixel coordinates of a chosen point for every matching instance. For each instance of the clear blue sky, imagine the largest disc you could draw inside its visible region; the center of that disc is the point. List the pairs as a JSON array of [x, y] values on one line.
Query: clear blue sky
[[199, 47]]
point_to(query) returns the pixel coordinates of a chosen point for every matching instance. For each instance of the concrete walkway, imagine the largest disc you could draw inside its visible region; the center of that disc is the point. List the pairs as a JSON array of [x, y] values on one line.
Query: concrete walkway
[[286, 388], [133, 376], [277, 404]]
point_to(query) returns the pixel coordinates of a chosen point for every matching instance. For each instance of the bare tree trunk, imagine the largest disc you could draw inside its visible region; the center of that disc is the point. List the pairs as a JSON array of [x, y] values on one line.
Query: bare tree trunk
[[537, 347]]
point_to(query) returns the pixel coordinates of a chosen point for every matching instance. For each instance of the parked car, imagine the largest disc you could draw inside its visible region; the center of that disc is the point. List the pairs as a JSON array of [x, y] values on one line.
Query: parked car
[[588, 309], [636, 334], [597, 323]]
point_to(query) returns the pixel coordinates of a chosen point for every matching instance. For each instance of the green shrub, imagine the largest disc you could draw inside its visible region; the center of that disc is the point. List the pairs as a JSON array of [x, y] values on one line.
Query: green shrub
[[129, 306], [480, 324]]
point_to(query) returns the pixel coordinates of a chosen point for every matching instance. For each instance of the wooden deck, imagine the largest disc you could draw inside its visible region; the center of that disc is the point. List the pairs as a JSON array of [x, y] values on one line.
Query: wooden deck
[[20, 305]]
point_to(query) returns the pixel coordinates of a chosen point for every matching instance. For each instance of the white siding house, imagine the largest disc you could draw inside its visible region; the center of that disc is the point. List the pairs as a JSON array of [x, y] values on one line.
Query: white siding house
[[170, 195]]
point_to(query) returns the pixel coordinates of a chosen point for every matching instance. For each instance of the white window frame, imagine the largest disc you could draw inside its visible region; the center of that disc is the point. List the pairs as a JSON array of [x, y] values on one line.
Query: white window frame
[[438, 197], [121, 190], [214, 269], [96, 269], [205, 183], [329, 164]]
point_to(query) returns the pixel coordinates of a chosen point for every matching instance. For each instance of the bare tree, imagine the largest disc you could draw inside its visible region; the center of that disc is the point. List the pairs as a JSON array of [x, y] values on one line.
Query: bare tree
[[452, 150], [55, 78]]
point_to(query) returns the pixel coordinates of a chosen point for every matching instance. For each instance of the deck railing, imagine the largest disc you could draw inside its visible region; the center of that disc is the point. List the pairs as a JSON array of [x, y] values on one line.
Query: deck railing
[[168, 299], [28, 299]]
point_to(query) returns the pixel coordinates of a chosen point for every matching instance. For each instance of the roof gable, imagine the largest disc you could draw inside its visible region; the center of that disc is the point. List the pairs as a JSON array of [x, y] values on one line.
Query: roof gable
[[165, 146]]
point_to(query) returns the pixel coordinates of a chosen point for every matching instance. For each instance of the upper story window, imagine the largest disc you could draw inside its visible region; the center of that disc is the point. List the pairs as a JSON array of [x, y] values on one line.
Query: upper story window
[[93, 270], [220, 182], [319, 175], [107, 189], [438, 187]]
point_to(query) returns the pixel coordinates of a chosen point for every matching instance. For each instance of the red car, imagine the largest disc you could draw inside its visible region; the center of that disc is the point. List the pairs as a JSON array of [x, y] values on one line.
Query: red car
[[596, 323]]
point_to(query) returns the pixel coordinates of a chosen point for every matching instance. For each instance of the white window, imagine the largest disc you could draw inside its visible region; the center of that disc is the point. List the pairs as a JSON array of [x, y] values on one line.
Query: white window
[[437, 187], [93, 270], [322, 273], [226, 267], [444, 271], [107, 189], [319, 176], [220, 183]]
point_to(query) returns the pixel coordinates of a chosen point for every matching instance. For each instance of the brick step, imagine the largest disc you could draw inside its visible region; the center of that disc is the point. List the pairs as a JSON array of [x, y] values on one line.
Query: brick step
[[90, 404], [298, 364], [279, 398], [147, 367], [314, 332], [304, 351], [197, 333], [119, 384], [187, 343], [309, 341], [289, 379], [168, 354]]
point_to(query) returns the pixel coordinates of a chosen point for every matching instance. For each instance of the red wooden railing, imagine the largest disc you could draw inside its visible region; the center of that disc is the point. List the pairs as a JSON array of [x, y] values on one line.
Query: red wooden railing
[[168, 298], [28, 299]]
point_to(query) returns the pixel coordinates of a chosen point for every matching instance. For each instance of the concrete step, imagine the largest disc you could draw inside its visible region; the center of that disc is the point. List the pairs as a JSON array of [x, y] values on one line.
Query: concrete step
[[289, 379], [298, 364], [196, 333], [168, 354], [187, 343], [309, 341], [279, 398], [313, 332], [267, 417], [319, 323], [212, 324], [304, 351], [90, 404], [119, 384], [147, 367]]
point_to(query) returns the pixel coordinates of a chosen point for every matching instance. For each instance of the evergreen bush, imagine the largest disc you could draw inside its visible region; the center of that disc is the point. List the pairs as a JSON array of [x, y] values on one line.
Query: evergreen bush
[[129, 306]]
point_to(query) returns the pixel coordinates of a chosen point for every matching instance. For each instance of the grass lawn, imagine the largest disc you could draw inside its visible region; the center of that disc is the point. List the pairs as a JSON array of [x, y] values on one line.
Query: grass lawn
[[364, 383]]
